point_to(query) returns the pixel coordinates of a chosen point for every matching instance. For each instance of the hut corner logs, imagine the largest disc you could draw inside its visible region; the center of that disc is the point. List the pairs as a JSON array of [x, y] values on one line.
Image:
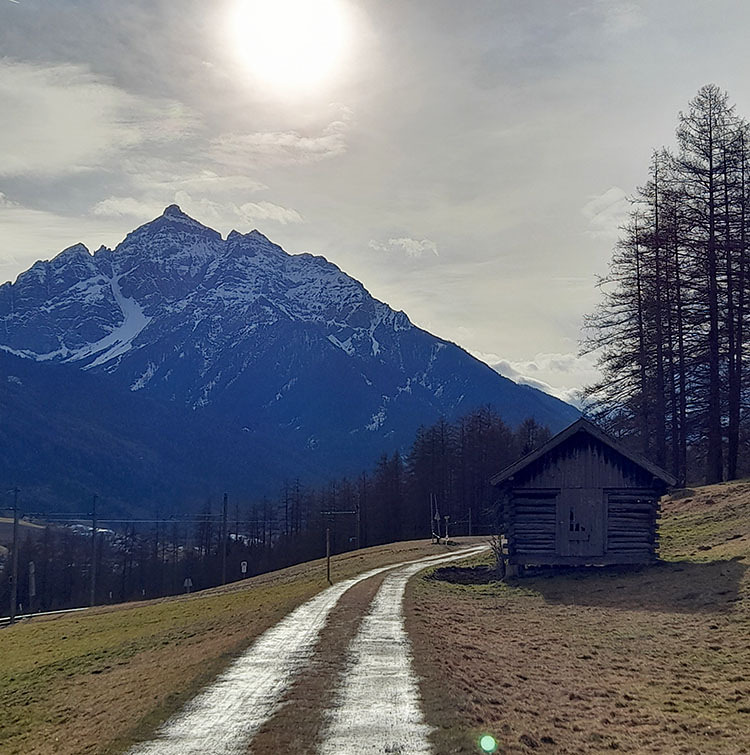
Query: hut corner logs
[[581, 499]]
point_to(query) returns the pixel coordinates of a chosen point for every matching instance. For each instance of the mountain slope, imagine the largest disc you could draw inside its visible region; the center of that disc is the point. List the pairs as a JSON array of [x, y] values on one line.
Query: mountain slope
[[65, 434], [286, 348]]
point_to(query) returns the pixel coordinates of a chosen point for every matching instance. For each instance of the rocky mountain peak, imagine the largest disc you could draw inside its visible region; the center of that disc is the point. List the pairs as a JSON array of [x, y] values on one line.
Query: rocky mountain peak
[[76, 251], [287, 347], [172, 233], [252, 243]]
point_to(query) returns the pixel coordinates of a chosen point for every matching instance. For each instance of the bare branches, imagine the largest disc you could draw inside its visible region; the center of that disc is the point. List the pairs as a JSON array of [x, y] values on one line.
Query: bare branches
[[670, 326]]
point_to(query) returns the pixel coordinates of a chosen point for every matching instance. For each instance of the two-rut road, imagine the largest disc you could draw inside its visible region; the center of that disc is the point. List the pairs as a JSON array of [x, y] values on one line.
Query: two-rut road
[[376, 707]]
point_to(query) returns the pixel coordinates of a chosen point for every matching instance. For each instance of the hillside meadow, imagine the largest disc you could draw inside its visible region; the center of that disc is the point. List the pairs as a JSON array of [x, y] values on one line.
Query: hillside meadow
[[647, 660], [96, 680]]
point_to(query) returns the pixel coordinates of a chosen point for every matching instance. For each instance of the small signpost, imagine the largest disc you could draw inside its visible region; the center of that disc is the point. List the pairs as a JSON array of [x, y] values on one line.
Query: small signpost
[[188, 583], [243, 567]]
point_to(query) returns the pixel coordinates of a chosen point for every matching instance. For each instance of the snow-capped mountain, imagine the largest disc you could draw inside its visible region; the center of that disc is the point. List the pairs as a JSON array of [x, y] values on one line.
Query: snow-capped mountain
[[282, 346]]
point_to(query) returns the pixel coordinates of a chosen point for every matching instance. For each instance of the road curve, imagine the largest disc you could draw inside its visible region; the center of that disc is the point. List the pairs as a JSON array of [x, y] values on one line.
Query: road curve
[[224, 717]]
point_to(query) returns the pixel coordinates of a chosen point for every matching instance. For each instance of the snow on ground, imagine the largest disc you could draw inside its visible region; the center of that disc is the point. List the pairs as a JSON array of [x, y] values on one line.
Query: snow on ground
[[223, 718], [377, 707]]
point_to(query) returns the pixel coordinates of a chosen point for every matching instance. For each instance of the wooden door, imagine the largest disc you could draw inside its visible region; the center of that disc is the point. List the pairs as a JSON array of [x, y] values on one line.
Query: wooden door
[[581, 522]]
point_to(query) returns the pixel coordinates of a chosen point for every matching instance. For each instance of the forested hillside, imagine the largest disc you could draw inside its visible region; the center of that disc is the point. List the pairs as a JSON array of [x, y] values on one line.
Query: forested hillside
[[445, 474]]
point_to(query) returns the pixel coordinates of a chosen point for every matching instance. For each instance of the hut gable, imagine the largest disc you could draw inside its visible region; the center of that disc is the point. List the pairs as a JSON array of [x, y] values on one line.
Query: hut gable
[[581, 498], [584, 432], [581, 461]]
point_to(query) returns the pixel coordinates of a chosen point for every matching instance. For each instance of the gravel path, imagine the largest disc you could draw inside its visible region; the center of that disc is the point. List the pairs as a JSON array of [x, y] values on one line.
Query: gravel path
[[223, 719], [377, 708]]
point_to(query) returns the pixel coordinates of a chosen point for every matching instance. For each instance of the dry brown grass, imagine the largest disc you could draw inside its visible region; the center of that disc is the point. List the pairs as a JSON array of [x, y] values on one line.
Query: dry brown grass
[[646, 660], [92, 682]]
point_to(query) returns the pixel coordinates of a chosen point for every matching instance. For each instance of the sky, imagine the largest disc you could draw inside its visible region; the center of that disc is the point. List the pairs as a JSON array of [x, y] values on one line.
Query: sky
[[469, 162]]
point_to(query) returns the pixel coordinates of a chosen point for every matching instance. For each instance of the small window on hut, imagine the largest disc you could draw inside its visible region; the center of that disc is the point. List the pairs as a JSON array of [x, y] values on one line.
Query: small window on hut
[[575, 525]]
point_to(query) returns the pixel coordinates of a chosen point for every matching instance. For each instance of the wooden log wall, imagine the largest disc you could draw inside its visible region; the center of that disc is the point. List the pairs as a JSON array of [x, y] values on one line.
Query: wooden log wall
[[532, 524], [632, 523]]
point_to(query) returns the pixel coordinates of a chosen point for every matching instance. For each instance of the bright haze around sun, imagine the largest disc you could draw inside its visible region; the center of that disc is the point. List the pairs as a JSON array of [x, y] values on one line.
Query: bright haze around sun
[[468, 162], [291, 47]]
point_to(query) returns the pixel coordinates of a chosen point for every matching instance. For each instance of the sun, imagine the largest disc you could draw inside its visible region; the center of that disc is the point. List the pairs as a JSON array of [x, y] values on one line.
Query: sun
[[290, 45]]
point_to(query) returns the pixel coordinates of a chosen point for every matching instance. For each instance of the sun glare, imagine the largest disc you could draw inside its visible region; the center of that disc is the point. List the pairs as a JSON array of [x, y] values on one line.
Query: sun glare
[[290, 45]]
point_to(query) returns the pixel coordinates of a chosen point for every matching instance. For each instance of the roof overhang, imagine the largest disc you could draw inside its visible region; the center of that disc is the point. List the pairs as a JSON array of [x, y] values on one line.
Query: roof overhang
[[583, 425]]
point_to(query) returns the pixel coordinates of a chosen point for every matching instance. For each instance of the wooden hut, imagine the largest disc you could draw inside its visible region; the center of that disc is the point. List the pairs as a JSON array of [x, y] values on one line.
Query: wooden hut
[[582, 498]]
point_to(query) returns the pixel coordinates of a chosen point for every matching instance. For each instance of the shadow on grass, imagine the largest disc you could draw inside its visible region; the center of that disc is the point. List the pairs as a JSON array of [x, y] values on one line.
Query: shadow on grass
[[465, 575], [678, 587]]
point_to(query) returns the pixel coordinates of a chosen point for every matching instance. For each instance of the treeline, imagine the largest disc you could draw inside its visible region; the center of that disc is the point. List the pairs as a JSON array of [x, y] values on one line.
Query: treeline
[[138, 560], [450, 465], [671, 330], [445, 474]]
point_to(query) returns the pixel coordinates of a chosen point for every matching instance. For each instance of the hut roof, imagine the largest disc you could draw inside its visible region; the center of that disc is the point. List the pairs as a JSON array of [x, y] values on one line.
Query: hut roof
[[583, 426]]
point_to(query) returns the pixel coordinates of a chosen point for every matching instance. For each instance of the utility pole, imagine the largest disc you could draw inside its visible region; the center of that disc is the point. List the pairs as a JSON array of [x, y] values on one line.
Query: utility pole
[[329, 517], [32, 586], [92, 596], [328, 555], [224, 542], [14, 563], [359, 525]]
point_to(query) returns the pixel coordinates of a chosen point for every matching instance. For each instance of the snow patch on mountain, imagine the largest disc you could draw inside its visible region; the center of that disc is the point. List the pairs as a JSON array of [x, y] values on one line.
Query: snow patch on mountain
[[144, 378], [345, 346], [377, 420], [120, 340]]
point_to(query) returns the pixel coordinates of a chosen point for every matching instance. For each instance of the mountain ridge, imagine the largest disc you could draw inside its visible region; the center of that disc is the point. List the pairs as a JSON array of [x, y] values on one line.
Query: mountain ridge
[[281, 346]]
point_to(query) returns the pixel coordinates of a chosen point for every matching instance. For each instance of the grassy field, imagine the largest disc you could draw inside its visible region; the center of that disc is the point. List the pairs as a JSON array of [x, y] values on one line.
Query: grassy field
[[91, 682], [647, 660], [653, 659]]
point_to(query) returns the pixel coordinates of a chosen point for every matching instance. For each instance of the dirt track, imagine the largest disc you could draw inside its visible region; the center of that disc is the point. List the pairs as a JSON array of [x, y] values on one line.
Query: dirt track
[[225, 718]]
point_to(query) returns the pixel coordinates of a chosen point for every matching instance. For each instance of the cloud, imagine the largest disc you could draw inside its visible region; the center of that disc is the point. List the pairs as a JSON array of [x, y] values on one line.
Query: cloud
[[153, 183], [283, 147], [606, 212], [621, 16], [615, 17], [560, 375], [63, 119], [251, 211], [412, 248], [117, 207], [201, 207], [196, 180]]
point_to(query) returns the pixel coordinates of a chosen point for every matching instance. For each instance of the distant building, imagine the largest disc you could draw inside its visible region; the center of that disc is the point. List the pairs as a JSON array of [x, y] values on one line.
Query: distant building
[[581, 499]]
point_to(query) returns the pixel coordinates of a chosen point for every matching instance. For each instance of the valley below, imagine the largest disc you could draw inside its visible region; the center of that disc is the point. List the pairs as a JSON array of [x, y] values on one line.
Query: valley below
[[650, 659]]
